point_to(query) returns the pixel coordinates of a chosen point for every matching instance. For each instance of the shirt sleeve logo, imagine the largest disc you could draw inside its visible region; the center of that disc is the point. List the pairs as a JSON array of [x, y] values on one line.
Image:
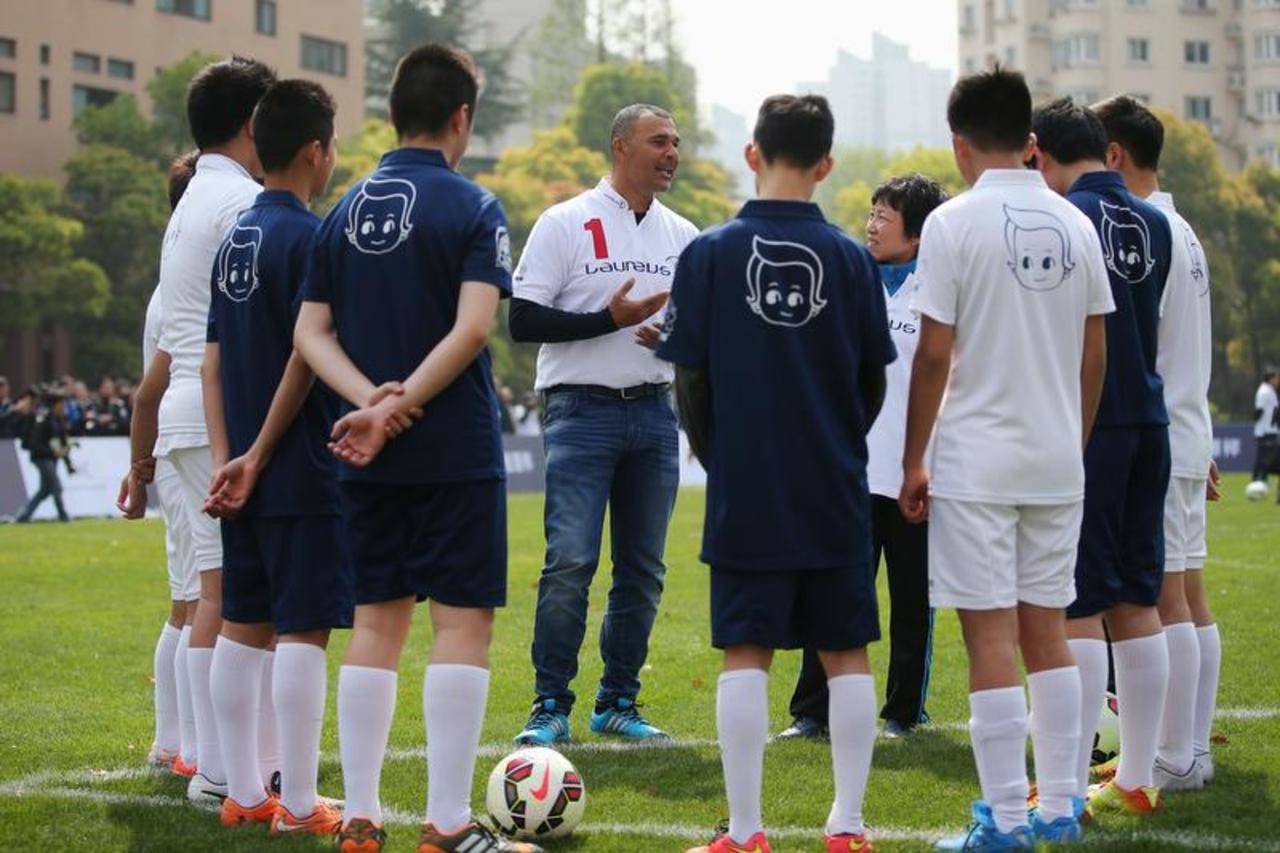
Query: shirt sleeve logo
[[379, 218], [237, 263], [1038, 246], [784, 282], [1196, 253], [1126, 242], [502, 248]]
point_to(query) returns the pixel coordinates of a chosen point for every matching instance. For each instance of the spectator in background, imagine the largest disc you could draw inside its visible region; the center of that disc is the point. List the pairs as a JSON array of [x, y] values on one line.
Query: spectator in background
[[109, 410], [47, 442], [5, 402], [16, 419], [1266, 427]]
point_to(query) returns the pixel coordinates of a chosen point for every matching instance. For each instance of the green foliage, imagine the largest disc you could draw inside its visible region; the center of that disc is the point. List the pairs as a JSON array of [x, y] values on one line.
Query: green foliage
[[702, 192], [852, 165], [602, 90], [846, 193], [120, 124], [44, 277], [168, 91], [559, 50], [401, 25]]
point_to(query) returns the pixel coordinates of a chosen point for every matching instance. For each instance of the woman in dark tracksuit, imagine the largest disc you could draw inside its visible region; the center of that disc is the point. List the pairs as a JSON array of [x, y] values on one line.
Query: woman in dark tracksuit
[[898, 210]]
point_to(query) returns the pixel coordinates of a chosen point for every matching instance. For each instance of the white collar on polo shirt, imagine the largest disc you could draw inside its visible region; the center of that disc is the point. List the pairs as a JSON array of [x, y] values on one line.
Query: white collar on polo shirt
[[221, 163], [1018, 177]]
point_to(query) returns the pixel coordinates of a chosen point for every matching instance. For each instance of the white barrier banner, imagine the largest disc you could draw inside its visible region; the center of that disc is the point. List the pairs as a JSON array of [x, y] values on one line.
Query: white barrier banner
[[92, 489]]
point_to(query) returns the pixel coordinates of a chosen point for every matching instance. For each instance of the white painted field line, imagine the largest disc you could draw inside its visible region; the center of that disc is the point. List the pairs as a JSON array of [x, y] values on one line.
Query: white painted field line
[[689, 832]]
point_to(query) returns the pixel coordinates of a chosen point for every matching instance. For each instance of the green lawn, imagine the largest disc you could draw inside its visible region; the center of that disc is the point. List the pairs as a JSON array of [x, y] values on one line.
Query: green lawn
[[82, 605]]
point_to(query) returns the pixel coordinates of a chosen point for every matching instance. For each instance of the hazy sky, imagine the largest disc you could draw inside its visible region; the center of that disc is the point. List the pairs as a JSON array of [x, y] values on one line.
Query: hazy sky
[[745, 50]]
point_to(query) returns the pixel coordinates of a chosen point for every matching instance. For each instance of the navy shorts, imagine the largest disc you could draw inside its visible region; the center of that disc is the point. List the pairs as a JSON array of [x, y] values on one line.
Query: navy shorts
[[441, 541], [294, 572], [828, 610], [1121, 555]]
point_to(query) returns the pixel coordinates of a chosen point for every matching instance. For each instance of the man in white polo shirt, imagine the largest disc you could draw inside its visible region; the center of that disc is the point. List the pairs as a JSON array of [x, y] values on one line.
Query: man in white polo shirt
[[220, 104], [1013, 287], [593, 267]]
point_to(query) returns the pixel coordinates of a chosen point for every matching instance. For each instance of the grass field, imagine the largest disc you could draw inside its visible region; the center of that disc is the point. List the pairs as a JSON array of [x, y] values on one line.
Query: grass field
[[82, 605]]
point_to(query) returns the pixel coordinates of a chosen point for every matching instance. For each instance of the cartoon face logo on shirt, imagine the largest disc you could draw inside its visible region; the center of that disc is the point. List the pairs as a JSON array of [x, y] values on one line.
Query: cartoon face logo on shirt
[[1126, 242], [238, 263], [502, 248], [1196, 253], [1039, 248], [784, 282], [379, 217]]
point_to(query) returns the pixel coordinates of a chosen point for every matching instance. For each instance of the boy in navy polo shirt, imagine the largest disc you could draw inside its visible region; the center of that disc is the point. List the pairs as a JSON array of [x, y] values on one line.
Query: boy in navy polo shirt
[[285, 569], [1120, 563], [407, 273], [778, 328]]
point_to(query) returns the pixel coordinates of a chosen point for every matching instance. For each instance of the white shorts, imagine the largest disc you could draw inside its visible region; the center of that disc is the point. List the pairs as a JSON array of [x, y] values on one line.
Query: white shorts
[[1184, 524], [194, 467], [184, 580], [985, 556]]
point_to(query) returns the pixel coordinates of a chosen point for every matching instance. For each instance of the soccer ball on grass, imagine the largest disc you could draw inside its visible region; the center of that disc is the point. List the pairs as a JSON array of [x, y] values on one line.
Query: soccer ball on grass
[[1255, 491], [534, 794]]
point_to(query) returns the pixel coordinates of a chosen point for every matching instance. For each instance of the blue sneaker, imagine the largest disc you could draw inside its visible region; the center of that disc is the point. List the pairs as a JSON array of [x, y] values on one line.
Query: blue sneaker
[[547, 725], [623, 719], [1061, 830], [983, 836]]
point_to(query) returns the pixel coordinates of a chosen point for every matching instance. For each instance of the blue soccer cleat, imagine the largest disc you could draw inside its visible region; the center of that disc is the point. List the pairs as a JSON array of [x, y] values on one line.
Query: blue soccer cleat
[[1062, 830], [622, 718], [547, 725], [984, 837]]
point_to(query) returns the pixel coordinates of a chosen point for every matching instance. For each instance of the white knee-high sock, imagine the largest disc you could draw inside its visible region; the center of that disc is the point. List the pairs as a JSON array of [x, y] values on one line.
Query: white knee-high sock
[[167, 737], [1055, 737], [366, 705], [852, 715], [1177, 728], [1091, 660], [998, 729], [1142, 679], [268, 732], [299, 688], [1207, 685], [182, 688], [208, 750], [742, 723], [453, 701], [235, 681]]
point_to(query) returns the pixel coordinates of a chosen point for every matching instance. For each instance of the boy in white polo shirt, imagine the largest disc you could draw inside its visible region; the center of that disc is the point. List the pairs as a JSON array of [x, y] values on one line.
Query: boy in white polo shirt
[[220, 104], [1012, 292]]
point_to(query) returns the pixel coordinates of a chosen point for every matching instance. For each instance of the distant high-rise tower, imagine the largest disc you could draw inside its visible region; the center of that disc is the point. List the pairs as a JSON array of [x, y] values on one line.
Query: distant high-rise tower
[[889, 101]]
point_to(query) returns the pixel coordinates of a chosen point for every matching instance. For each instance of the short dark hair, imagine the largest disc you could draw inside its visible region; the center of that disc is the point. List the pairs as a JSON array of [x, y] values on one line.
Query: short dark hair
[[291, 115], [430, 84], [624, 121], [1069, 133], [222, 96], [181, 171], [797, 129], [914, 196], [1133, 127], [991, 109], [1270, 372]]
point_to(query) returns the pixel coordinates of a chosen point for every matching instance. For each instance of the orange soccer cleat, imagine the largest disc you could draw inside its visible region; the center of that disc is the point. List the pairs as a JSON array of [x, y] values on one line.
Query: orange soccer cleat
[[323, 820], [234, 814]]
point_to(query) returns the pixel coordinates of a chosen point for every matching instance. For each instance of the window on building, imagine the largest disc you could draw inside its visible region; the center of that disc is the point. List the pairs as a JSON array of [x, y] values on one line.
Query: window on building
[[970, 66], [1267, 103], [44, 54], [90, 96], [8, 92], [1199, 5], [1195, 52], [1267, 4], [1010, 9], [1138, 4], [1199, 107], [1010, 56], [187, 8], [8, 48], [1269, 153], [1078, 49], [90, 63], [121, 68], [324, 55], [1266, 47], [968, 20], [265, 17], [1084, 97], [44, 98], [1140, 50]]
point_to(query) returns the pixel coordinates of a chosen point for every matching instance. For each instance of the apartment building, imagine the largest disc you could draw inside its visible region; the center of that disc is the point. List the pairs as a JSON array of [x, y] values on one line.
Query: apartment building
[[1212, 61], [59, 56]]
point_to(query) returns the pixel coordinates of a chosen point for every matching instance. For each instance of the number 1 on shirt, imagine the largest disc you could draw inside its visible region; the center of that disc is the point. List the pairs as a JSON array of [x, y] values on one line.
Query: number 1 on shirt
[[596, 227]]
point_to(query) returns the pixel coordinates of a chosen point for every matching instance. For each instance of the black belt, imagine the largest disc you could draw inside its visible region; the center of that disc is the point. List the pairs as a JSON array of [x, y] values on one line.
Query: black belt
[[635, 392]]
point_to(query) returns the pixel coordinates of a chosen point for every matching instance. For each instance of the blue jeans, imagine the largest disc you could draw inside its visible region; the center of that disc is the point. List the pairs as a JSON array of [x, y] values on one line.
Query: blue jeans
[[623, 454]]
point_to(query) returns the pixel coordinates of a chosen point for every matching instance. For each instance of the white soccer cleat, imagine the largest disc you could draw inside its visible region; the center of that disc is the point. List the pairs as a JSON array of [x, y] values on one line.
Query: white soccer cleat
[[1167, 779], [202, 791], [1205, 760]]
